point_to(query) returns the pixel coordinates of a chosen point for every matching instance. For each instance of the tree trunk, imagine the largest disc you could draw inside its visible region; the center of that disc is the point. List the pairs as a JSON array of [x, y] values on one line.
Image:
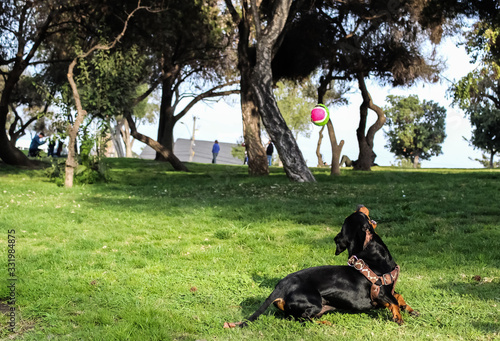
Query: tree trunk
[[257, 159], [167, 120], [293, 161], [117, 139], [318, 153], [336, 148], [261, 83], [71, 162], [416, 159], [127, 139], [8, 152], [366, 155], [158, 147]]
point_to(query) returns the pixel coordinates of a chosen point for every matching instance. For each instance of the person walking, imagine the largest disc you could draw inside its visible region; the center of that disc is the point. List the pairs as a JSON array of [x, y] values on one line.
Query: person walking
[[35, 143], [269, 153], [215, 151]]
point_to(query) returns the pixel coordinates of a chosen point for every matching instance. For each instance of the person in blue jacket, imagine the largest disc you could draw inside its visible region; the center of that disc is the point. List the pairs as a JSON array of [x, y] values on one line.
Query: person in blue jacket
[[35, 143], [215, 151]]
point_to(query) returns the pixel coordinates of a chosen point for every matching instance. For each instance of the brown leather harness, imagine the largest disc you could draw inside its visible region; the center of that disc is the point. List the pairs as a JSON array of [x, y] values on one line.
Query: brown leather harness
[[385, 279]]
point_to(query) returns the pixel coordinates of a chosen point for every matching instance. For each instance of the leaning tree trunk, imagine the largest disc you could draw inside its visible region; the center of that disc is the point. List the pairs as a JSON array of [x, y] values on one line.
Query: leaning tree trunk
[[366, 155], [158, 147], [261, 82]]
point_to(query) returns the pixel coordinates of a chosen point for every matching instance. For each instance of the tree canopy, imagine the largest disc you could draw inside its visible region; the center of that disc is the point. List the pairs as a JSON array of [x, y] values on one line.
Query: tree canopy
[[415, 129]]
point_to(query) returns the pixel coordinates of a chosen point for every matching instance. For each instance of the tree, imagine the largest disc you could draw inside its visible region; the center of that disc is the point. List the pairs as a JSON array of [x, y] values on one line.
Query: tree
[[354, 41], [328, 94], [416, 129], [71, 162], [24, 26], [29, 98], [185, 44], [485, 122], [383, 41], [260, 26], [478, 93]]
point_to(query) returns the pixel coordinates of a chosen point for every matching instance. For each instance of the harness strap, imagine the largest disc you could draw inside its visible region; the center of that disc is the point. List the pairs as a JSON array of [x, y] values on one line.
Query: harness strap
[[385, 279]]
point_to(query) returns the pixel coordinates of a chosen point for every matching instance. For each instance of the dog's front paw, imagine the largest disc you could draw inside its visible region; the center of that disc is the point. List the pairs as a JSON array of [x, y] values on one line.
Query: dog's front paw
[[398, 320]]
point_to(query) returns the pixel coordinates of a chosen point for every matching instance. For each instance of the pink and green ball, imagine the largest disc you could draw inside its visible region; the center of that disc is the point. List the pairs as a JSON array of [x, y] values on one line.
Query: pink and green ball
[[320, 115]]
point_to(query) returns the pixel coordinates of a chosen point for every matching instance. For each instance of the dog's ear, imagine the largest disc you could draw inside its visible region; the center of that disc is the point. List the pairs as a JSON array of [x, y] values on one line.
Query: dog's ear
[[340, 244], [368, 227]]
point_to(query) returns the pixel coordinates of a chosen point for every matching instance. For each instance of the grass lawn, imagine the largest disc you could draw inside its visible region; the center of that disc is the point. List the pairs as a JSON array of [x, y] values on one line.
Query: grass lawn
[[161, 255]]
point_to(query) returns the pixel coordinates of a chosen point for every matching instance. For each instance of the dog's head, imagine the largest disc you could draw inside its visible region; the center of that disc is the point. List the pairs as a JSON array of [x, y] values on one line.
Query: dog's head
[[356, 232]]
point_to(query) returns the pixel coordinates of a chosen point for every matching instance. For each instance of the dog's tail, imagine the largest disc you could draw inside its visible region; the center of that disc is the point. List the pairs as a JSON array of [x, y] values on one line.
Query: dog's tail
[[275, 297]]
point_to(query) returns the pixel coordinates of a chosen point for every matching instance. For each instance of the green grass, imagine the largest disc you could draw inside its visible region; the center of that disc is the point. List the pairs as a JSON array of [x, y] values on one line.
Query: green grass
[[161, 255]]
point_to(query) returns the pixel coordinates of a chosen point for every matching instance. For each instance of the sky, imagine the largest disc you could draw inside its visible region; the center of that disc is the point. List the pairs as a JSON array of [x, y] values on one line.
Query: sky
[[222, 120]]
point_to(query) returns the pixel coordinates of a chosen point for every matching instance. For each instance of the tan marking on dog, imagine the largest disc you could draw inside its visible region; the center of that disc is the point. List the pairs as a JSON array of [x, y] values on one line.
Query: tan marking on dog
[[279, 303]]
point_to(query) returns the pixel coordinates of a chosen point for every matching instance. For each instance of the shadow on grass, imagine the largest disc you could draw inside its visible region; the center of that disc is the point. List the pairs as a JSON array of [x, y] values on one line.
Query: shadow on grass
[[477, 289], [250, 306], [266, 282], [487, 327]]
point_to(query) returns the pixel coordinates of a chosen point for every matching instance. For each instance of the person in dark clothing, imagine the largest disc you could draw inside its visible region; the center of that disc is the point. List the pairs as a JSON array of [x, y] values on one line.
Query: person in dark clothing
[[269, 153], [50, 150], [35, 143]]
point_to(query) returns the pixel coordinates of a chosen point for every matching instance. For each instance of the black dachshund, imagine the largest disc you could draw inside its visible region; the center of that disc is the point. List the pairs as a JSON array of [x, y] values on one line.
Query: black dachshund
[[367, 282]]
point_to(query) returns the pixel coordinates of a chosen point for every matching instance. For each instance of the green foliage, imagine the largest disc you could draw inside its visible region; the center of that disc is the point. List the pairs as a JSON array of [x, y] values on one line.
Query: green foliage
[[295, 102], [92, 166], [482, 43], [477, 92], [415, 129], [107, 82], [55, 172], [239, 150], [91, 173], [156, 254], [485, 122]]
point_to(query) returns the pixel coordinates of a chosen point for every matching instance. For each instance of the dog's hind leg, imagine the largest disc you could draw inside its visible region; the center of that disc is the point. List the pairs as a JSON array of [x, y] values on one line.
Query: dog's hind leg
[[325, 309], [404, 306]]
